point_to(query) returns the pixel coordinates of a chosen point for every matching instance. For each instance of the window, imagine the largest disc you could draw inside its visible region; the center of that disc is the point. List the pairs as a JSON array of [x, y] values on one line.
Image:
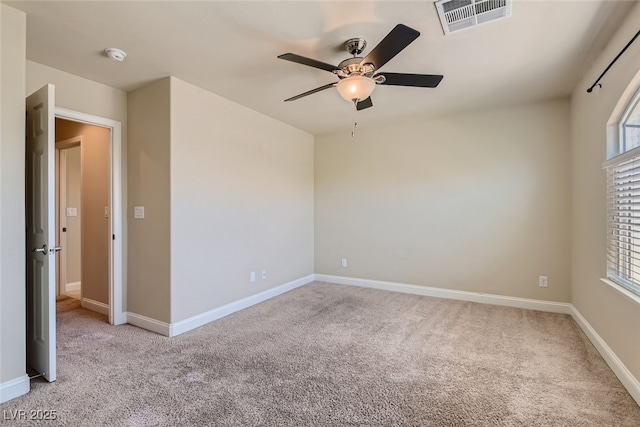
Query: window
[[623, 201], [630, 126]]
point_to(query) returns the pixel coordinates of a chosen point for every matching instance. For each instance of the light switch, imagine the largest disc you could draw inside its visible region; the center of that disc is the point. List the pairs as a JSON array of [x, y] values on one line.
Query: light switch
[[138, 212], [72, 211], [106, 211]]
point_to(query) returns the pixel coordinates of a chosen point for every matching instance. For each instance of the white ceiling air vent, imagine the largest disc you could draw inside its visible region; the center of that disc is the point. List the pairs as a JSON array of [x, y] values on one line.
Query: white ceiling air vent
[[457, 15]]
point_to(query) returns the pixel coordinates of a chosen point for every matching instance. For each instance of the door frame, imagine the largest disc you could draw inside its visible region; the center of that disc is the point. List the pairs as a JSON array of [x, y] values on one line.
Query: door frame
[[116, 278], [61, 196]]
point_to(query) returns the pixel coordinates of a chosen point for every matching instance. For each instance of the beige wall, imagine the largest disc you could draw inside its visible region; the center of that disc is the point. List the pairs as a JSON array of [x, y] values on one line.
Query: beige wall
[[226, 191], [95, 190], [476, 202], [12, 215], [615, 317], [79, 94], [241, 201], [149, 186]]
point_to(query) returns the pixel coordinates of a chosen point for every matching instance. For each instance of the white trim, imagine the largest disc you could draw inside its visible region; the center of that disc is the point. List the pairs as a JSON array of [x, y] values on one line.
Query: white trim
[[116, 278], [61, 171], [624, 291], [530, 304], [627, 379], [65, 144], [217, 313], [14, 388], [61, 238], [177, 328], [97, 306], [148, 323], [73, 286], [627, 155], [61, 175]]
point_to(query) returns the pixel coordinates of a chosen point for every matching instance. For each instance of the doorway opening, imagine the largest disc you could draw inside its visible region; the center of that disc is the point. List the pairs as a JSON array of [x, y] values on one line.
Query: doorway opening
[[97, 141], [83, 213]]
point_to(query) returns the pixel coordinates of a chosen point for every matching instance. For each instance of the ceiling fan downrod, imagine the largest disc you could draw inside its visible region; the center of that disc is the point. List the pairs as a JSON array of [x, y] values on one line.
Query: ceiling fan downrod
[[355, 46]]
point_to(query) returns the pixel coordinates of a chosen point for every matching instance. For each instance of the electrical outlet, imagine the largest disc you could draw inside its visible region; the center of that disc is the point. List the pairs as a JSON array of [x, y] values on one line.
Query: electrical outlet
[[344, 262], [542, 281], [252, 276], [264, 274]]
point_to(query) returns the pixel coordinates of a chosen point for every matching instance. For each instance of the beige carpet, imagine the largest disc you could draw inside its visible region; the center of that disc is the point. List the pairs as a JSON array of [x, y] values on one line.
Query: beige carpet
[[331, 355]]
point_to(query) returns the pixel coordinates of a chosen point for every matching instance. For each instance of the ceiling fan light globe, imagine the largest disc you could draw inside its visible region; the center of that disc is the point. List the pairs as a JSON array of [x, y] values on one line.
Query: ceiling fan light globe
[[356, 88]]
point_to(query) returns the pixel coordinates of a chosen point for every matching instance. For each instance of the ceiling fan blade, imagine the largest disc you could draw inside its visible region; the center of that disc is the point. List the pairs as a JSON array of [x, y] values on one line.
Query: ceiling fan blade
[[416, 80], [308, 61], [312, 91], [399, 38], [366, 103]]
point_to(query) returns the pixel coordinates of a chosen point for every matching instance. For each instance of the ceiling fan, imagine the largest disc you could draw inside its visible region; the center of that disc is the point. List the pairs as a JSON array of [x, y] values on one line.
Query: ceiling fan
[[359, 76]]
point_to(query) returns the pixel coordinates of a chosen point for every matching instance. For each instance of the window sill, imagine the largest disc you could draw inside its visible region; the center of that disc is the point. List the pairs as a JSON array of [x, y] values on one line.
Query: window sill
[[633, 297]]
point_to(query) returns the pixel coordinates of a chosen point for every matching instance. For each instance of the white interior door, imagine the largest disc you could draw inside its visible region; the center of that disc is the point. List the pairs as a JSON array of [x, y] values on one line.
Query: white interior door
[[40, 208]]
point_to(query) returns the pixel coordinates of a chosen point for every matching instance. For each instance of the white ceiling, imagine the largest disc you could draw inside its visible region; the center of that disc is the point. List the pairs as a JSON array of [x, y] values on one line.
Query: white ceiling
[[230, 48]]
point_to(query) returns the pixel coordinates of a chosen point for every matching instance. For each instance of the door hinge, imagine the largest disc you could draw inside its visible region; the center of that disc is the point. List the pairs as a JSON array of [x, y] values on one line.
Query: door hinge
[[113, 236]]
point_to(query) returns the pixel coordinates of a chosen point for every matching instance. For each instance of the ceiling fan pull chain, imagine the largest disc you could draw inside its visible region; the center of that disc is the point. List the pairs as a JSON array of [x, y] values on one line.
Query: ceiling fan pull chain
[[353, 119]]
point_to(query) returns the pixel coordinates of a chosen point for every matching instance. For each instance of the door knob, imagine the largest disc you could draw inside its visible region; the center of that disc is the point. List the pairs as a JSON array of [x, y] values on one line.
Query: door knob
[[42, 250], [55, 249]]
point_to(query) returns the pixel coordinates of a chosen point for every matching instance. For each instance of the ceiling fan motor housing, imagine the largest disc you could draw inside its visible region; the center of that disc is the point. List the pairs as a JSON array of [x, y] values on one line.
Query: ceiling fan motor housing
[[353, 66]]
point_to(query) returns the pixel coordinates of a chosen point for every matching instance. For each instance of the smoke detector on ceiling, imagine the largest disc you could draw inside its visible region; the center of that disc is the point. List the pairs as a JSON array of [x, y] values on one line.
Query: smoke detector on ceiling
[[458, 15], [115, 54]]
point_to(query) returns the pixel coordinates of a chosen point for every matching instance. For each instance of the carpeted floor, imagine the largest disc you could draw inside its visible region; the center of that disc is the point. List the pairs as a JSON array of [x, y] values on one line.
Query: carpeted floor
[[331, 355]]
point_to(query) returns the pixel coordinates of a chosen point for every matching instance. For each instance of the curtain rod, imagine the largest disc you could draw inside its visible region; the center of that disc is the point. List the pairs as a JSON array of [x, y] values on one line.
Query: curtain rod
[[612, 62]]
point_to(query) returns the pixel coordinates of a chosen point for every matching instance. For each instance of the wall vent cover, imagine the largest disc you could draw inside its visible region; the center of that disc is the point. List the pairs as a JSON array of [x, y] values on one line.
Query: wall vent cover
[[457, 15]]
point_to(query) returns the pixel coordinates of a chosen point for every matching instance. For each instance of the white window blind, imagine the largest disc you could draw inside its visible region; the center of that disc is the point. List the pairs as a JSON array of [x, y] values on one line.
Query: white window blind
[[623, 210]]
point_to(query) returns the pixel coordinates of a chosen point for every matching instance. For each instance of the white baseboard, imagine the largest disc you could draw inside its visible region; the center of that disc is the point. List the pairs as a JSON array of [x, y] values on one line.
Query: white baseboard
[[148, 323], [14, 388], [217, 313], [177, 328], [531, 304], [627, 379], [96, 306], [120, 319], [73, 286]]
